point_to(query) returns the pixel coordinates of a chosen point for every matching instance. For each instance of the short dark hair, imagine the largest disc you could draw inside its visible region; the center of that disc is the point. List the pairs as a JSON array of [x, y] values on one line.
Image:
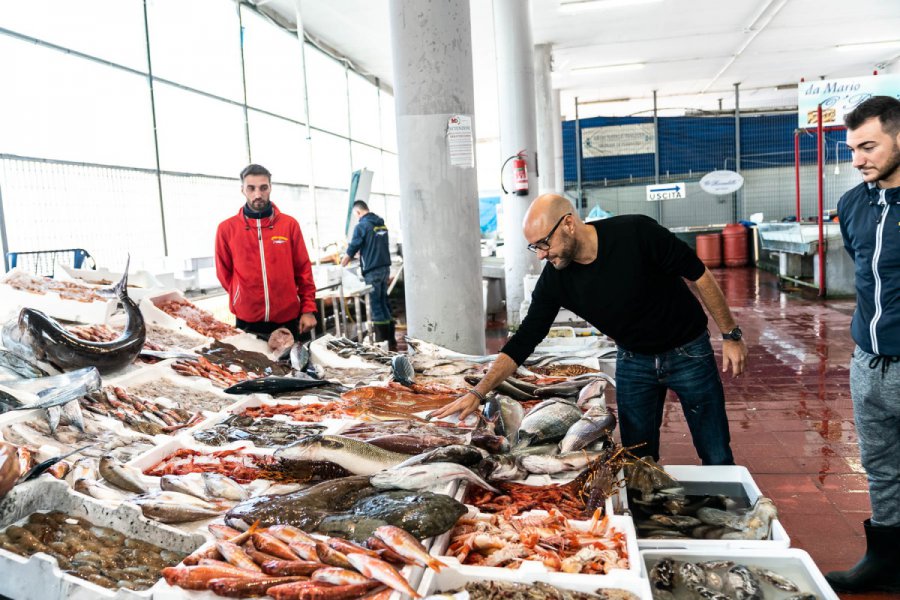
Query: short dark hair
[[361, 205], [255, 170], [886, 108]]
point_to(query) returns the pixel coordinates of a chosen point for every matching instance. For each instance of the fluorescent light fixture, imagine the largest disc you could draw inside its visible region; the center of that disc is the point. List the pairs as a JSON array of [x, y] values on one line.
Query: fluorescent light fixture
[[637, 66], [868, 45], [575, 6]]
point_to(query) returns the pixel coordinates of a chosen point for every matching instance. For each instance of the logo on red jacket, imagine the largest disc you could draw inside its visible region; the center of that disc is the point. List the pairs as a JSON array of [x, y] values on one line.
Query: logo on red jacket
[[279, 239]]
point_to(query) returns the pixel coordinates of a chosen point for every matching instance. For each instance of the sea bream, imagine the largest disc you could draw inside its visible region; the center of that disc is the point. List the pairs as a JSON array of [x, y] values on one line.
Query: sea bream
[[593, 425], [547, 422], [356, 456], [49, 341]]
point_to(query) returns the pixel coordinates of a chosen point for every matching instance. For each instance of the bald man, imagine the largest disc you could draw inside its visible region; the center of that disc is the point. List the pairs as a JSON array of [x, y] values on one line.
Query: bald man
[[625, 276]]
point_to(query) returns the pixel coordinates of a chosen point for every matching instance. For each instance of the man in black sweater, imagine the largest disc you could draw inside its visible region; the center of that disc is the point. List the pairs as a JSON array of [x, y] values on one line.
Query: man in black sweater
[[625, 276]]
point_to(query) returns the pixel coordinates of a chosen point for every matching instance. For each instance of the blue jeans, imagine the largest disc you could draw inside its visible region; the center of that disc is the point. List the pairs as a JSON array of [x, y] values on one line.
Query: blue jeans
[[690, 371], [876, 410], [379, 307]]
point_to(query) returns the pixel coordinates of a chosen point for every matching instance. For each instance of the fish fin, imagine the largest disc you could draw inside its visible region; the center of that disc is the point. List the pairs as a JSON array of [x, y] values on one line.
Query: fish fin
[[436, 565], [120, 290]]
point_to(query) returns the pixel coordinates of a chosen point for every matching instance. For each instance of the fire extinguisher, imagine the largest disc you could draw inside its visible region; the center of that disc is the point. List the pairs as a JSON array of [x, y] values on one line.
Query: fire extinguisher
[[520, 174]]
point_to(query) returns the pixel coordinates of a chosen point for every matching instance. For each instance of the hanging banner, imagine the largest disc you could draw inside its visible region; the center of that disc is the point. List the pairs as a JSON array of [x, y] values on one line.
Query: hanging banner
[[840, 96], [618, 140]]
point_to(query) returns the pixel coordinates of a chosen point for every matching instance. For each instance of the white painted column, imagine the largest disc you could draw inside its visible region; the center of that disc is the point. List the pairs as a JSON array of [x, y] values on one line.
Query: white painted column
[[432, 57], [546, 119], [559, 183], [515, 79]]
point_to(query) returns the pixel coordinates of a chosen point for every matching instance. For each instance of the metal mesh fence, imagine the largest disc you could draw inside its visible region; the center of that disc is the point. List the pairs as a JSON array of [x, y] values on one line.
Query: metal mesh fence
[[620, 156]]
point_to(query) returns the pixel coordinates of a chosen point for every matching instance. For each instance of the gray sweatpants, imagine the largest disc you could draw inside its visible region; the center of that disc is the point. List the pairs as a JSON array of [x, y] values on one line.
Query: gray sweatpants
[[876, 409]]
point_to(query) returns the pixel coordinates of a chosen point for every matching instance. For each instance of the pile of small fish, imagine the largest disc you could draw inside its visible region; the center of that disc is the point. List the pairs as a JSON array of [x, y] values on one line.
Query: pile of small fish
[[345, 348], [67, 290], [100, 555], [508, 590], [202, 367], [308, 412], [196, 318], [262, 432], [287, 563], [496, 541], [141, 414], [181, 395], [720, 580]]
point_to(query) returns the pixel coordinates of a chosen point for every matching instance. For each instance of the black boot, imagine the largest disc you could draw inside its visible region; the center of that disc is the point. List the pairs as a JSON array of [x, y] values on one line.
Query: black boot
[[382, 332], [392, 336], [879, 569]]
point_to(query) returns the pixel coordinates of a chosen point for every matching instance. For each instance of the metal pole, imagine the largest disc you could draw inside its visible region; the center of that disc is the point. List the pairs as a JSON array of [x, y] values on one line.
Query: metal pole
[[162, 208], [244, 84], [820, 136], [656, 156], [309, 145], [797, 169], [578, 155], [737, 147], [3, 231]]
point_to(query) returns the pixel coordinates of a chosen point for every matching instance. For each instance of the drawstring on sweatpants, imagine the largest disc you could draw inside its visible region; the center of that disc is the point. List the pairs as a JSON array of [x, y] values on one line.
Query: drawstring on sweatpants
[[884, 361]]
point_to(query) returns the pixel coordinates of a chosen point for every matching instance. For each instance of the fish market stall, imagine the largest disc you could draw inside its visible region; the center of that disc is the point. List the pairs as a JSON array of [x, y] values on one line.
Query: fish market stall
[[218, 466]]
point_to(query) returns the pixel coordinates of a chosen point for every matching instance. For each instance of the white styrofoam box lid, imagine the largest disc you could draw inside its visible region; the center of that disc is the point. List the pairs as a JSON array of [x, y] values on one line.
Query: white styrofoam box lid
[[39, 577], [793, 563], [714, 473]]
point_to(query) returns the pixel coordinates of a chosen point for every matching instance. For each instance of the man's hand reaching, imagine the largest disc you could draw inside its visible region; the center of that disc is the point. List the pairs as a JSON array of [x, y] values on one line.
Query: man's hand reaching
[[465, 405]]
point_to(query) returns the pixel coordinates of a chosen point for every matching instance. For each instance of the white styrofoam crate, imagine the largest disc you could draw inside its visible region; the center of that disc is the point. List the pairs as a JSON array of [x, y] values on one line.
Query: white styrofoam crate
[[778, 537], [455, 576], [38, 577], [140, 283], [96, 312], [793, 563]]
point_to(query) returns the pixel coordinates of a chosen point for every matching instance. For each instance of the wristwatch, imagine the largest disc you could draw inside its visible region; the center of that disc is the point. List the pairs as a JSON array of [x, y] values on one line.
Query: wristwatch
[[734, 335]]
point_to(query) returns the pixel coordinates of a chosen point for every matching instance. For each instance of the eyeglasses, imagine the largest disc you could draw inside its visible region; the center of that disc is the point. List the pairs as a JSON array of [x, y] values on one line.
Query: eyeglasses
[[543, 244]]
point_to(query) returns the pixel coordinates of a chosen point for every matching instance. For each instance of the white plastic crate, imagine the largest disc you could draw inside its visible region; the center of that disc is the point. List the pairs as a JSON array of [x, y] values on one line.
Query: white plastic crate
[[795, 564], [38, 577], [778, 537], [96, 312]]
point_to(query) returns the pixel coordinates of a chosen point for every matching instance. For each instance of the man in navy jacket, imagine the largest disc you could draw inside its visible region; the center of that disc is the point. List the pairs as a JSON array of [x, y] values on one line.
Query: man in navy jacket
[[870, 224], [370, 239]]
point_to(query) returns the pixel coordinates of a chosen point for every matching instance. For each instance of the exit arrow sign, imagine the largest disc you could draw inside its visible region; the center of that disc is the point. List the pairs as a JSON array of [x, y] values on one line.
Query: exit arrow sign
[[666, 191]]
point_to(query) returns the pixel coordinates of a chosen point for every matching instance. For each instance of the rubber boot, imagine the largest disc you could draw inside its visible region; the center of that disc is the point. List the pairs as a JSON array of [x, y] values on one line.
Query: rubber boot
[[382, 332], [392, 336], [879, 569]]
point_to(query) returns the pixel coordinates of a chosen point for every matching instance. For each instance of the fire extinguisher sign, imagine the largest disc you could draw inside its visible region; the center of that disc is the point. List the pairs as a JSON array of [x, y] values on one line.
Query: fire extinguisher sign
[[460, 141]]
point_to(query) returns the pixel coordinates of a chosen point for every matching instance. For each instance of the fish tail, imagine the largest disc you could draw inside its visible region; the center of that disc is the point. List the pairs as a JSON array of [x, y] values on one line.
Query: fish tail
[[436, 565]]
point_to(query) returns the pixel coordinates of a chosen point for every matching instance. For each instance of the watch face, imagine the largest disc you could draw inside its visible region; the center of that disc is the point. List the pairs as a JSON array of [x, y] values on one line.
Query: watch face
[[736, 334]]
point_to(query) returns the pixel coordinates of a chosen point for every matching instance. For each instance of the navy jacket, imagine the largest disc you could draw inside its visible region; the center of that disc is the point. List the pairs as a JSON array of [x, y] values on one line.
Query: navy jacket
[[370, 239], [870, 225]]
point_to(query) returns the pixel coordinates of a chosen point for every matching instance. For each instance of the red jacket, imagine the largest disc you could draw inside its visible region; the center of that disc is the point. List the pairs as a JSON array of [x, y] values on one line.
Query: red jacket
[[264, 266]]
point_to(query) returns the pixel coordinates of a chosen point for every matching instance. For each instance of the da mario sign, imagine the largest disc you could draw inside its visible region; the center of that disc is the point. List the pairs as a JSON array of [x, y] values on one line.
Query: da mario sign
[[840, 96], [719, 183]]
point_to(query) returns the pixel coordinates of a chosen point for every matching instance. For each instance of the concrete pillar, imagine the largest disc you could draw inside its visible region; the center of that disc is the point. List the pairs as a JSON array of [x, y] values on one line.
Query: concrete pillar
[[515, 82], [559, 183], [432, 58], [546, 119]]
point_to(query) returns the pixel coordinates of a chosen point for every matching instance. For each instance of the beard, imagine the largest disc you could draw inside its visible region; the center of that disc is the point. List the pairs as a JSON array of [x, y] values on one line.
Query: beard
[[891, 166]]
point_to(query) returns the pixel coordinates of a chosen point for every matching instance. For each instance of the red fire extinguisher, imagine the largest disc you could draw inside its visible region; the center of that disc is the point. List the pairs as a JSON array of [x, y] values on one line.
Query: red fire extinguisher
[[520, 174]]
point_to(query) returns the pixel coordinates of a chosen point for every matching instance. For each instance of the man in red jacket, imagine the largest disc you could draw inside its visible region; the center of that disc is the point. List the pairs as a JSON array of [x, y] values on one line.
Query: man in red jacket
[[262, 262]]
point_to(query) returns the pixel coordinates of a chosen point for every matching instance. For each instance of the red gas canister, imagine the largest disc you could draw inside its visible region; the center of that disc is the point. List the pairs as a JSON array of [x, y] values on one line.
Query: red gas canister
[[734, 239], [709, 249]]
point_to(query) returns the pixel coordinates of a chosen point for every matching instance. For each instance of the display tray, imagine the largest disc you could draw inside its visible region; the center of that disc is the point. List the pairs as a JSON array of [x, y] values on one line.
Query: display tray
[[792, 563], [778, 537], [39, 577], [96, 312]]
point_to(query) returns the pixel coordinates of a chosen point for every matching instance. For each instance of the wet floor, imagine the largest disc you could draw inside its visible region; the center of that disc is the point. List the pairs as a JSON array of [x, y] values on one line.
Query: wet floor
[[791, 415]]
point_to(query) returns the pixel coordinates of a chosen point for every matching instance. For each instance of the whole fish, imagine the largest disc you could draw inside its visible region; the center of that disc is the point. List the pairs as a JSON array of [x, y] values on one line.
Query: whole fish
[[20, 365], [504, 467], [299, 356], [236, 556], [594, 390], [198, 577], [456, 453], [402, 370], [506, 415], [274, 384], [41, 467], [547, 422], [375, 568], [122, 476], [339, 576], [360, 458], [175, 507], [49, 341], [95, 489], [190, 484], [83, 468], [220, 486], [741, 584], [167, 354], [407, 546], [558, 463], [594, 424], [426, 477]]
